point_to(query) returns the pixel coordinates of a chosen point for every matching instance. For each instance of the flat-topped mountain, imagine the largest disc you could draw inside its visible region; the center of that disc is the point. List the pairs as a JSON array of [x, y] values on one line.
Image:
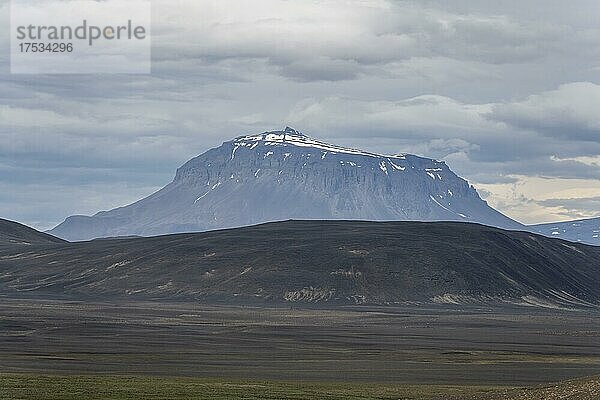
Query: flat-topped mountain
[[325, 262], [284, 175]]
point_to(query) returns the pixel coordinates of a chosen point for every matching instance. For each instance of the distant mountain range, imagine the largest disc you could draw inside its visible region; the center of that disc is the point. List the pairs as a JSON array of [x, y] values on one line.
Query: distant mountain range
[[283, 175], [583, 230], [304, 262]]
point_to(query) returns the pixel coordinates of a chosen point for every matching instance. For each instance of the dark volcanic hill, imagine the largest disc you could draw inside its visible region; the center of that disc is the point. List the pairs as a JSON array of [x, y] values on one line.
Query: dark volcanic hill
[[583, 230], [15, 233], [284, 175], [332, 262]]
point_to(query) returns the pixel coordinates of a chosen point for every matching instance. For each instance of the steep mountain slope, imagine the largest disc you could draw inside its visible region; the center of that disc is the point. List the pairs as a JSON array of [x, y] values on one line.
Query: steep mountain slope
[[286, 175], [333, 262], [583, 230], [15, 233]]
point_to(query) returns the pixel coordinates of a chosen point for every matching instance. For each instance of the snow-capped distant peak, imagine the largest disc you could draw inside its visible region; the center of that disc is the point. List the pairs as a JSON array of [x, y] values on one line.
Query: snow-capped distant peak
[[292, 137]]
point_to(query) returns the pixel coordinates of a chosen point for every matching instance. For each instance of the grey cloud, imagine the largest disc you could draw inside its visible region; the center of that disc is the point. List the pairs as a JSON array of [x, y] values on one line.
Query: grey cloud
[[302, 44], [422, 117], [442, 148], [575, 208], [568, 112], [321, 69], [590, 203]]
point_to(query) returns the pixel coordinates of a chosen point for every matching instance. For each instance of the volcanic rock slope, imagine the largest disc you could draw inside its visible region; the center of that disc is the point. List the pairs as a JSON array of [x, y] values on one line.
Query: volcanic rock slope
[[15, 233], [324, 262], [284, 175]]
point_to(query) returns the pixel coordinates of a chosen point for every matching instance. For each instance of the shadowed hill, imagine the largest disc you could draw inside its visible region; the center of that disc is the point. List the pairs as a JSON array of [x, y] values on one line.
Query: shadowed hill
[[332, 262], [15, 233]]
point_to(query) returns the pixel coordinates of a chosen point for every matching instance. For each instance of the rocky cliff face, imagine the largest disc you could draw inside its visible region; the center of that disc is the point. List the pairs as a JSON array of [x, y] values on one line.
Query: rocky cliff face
[[284, 175]]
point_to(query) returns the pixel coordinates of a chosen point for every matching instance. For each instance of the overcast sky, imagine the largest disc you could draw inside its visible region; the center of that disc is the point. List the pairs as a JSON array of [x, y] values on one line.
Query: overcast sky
[[508, 93]]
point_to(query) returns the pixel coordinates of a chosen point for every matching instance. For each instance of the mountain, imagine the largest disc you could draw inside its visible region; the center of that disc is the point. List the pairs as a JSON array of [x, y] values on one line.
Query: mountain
[[14, 233], [283, 175], [332, 262], [583, 230]]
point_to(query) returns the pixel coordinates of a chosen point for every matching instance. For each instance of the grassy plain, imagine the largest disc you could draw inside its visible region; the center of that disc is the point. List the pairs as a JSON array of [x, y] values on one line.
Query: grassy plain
[[45, 387]]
